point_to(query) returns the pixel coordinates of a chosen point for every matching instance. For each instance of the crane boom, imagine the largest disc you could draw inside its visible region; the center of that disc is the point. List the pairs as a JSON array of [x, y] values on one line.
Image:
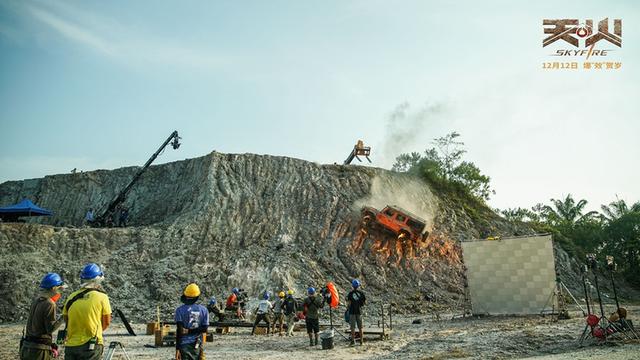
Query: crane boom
[[174, 139]]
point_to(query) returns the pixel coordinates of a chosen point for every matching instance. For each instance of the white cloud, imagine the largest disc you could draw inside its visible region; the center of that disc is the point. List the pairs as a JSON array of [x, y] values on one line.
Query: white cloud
[[73, 32], [126, 46]]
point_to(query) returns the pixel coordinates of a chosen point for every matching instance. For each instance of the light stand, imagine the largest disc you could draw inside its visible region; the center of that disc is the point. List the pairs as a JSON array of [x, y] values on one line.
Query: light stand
[[621, 324], [602, 327], [327, 297]]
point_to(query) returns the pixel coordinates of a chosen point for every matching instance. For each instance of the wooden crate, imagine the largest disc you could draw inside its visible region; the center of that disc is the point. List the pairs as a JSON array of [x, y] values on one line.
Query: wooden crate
[[161, 333], [152, 327], [261, 330], [223, 330]]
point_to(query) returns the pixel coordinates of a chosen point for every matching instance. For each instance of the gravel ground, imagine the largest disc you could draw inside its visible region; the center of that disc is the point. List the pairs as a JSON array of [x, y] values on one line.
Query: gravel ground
[[471, 338]]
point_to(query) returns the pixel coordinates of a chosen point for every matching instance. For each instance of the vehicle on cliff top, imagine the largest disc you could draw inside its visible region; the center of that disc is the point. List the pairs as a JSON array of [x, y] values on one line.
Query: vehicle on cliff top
[[393, 219]]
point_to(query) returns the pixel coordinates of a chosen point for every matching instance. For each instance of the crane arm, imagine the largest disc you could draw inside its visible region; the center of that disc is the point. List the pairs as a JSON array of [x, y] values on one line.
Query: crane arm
[[174, 139]]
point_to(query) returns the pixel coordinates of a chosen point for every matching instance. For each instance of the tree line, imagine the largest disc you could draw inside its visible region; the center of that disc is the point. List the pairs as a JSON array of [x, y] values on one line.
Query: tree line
[[615, 230]]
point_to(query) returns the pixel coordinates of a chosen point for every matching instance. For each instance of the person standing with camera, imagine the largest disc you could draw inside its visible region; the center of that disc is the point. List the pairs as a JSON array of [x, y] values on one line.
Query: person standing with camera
[[356, 300]]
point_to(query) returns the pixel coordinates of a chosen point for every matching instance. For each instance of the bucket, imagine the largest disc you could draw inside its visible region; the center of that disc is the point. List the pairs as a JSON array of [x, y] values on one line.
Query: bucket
[[326, 337]]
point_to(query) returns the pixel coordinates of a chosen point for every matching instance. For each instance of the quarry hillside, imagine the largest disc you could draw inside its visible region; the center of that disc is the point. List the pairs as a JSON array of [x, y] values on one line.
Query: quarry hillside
[[239, 220]]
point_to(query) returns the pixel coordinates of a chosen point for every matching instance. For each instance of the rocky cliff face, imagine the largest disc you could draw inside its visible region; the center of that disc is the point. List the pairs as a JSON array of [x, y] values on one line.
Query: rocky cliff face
[[258, 222]]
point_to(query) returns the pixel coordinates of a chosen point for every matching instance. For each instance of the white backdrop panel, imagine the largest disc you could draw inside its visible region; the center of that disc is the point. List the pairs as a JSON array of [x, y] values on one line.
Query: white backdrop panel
[[511, 275]]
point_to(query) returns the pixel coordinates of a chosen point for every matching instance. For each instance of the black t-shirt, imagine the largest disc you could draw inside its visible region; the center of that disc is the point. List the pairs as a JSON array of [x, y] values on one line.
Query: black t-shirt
[[357, 300], [289, 305]]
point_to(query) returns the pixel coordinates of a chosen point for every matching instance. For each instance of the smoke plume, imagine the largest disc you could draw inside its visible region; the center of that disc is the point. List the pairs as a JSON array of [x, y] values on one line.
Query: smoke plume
[[407, 130]]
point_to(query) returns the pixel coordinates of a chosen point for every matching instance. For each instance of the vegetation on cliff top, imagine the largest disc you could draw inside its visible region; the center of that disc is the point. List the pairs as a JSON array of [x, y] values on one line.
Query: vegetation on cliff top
[[614, 231]]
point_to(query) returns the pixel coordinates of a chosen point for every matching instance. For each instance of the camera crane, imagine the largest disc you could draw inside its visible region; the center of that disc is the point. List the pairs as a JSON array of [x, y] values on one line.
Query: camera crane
[[102, 219]]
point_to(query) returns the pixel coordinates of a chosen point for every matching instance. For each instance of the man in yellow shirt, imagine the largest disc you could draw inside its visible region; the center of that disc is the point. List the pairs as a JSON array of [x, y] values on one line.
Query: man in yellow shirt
[[87, 313]]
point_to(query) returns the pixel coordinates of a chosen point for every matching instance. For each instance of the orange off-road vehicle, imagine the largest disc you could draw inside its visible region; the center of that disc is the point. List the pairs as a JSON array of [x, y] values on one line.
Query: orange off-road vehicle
[[401, 223]]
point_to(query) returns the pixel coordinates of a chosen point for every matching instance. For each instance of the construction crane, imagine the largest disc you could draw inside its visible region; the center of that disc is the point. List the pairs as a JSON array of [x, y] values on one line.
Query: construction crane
[[102, 220], [358, 150]]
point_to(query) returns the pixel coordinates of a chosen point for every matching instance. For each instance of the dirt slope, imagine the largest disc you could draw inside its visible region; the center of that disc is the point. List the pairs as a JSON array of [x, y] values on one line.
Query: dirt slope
[[225, 220]]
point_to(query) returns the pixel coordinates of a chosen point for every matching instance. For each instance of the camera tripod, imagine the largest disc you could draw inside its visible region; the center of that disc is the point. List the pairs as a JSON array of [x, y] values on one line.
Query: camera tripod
[[623, 324], [112, 349], [557, 296], [333, 328]]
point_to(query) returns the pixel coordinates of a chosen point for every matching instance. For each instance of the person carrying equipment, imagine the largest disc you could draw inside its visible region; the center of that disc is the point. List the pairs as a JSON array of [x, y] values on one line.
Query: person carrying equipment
[[290, 308], [37, 344], [262, 313], [192, 321], [214, 309], [278, 316], [355, 300], [87, 313], [312, 305]]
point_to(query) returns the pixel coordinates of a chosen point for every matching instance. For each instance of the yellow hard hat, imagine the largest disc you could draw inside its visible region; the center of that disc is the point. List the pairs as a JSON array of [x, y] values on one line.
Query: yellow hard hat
[[290, 292], [192, 291], [281, 294]]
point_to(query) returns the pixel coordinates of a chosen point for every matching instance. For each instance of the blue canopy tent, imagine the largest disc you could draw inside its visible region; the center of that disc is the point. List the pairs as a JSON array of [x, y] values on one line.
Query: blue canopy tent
[[23, 208]]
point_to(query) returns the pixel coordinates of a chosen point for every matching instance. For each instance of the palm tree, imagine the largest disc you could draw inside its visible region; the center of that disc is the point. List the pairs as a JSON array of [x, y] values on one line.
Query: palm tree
[[617, 209], [567, 212]]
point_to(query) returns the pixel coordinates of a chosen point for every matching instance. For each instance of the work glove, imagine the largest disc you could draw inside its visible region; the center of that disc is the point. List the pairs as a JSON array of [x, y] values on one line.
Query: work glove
[[54, 351]]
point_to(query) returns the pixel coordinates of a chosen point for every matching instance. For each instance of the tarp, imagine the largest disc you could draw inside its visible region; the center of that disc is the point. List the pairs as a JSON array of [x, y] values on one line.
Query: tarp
[[24, 208]]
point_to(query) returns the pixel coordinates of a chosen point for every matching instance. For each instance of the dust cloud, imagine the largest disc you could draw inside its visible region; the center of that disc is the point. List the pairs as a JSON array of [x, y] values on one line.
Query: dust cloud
[[406, 192]]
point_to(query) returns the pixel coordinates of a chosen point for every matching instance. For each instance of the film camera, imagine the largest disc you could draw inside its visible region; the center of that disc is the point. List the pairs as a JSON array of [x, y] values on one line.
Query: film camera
[[242, 298], [326, 294]]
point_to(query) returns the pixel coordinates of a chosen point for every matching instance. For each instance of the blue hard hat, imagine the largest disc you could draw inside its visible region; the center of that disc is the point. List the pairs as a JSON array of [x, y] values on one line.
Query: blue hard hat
[[212, 301], [355, 283], [266, 295], [311, 291], [235, 291], [51, 280], [90, 271]]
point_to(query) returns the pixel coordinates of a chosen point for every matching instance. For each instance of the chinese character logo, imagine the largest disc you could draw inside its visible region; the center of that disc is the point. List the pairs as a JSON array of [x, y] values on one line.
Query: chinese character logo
[[573, 32]]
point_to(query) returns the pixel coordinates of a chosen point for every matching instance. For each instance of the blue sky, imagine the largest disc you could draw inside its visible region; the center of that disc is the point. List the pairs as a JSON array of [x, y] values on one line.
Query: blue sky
[[93, 84]]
